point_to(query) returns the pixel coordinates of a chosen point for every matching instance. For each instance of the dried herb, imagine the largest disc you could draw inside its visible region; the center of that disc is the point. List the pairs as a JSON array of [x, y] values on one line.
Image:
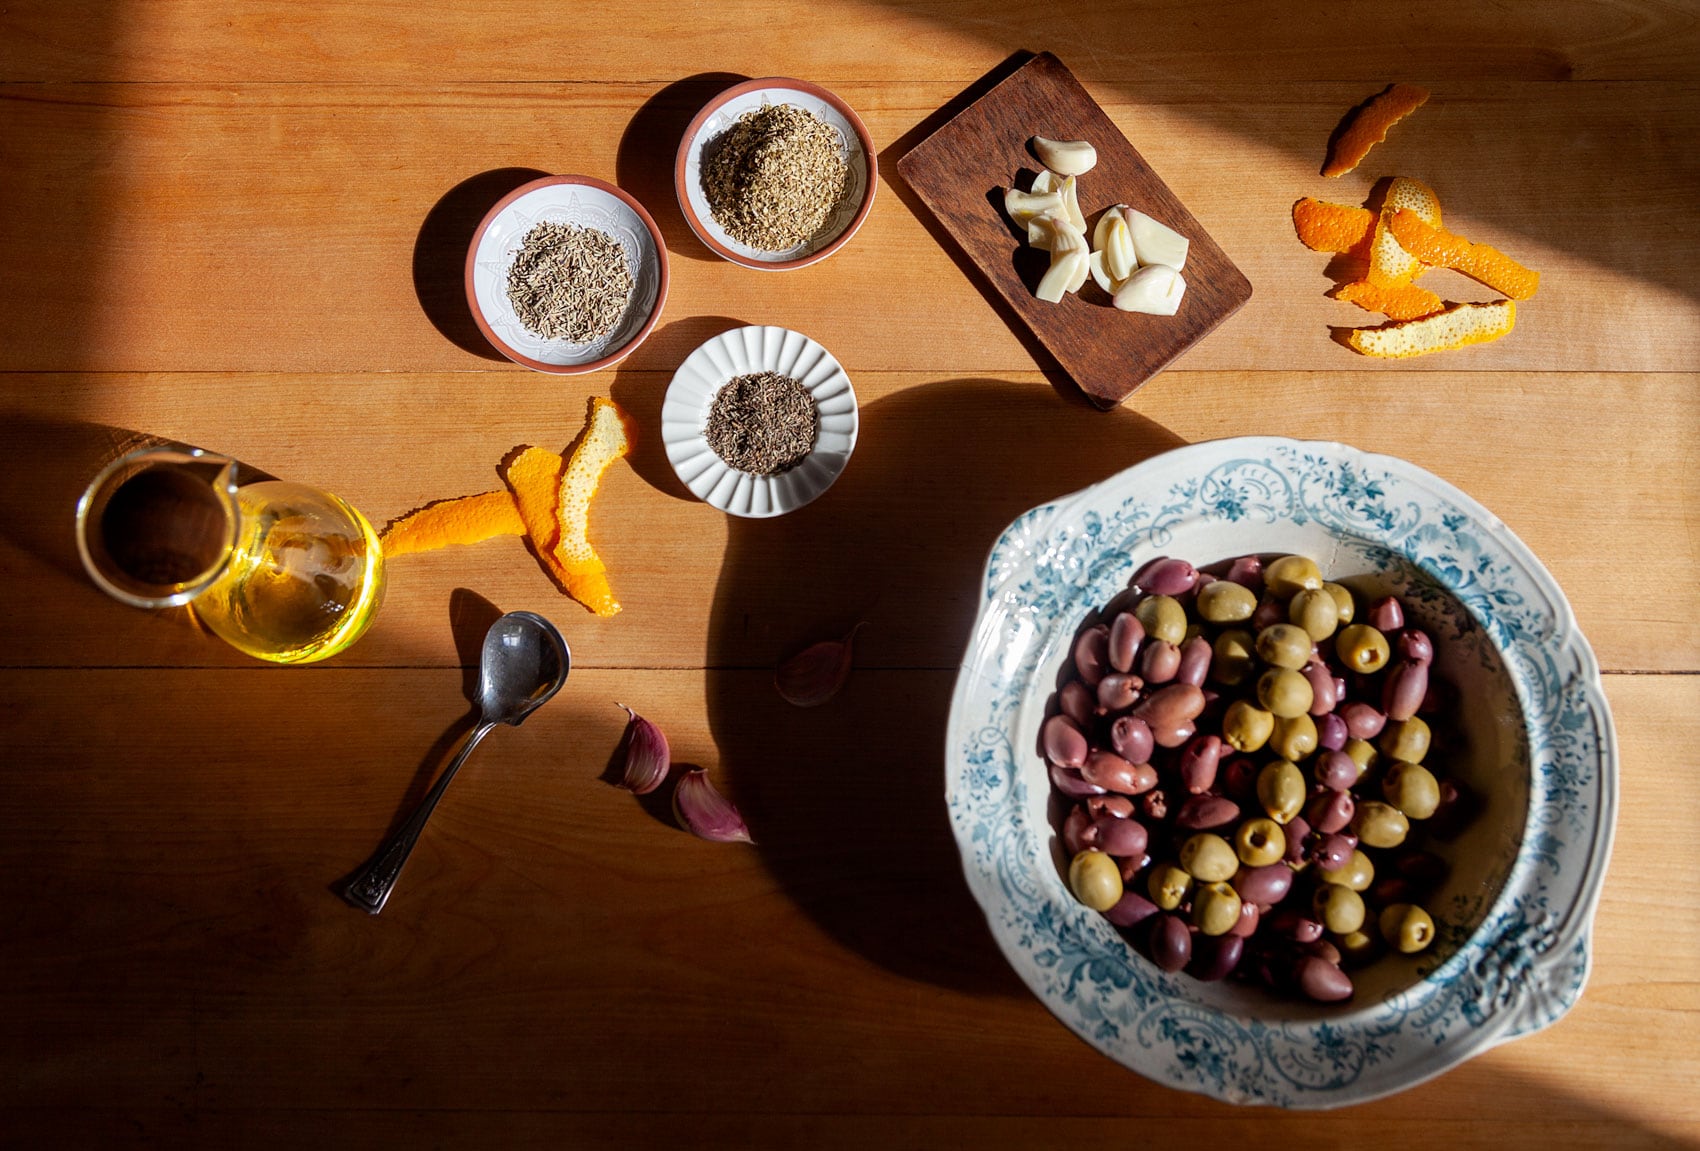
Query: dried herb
[[569, 282], [774, 176], [763, 423]]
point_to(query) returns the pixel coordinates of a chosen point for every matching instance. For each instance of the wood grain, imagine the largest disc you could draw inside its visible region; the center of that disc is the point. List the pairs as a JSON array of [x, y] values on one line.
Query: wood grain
[[171, 905], [960, 171]]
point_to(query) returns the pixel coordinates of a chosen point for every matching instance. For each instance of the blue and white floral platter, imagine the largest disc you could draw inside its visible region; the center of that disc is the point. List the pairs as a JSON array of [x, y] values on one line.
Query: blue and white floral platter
[[1539, 753]]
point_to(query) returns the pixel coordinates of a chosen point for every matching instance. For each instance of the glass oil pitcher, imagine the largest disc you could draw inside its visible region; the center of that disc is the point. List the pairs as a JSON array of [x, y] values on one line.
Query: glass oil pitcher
[[279, 570]]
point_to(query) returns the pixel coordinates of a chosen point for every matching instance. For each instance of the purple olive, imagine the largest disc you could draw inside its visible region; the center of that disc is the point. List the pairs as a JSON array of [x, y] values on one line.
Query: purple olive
[[1214, 957], [1385, 615], [1077, 702], [1065, 744], [1117, 691], [1159, 661], [1403, 692], [1298, 830], [1323, 697], [1120, 837], [1247, 571], [1131, 910], [1293, 925], [1171, 942], [1154, 805], [1331, 851], [1126, 634], [1330, 811], [1092, 654], [1321, 980], [1119, 806], [1250, 916], [1362, 720], [1203, 812], [1335, 769], [1264, 886], [1111, 771], [1269, 611], [1068, 780], [1331, 733], [1415, 644], [1131, 737], [1199, 760], [1170, 706], [1174, 736], [1078, 832], [1165, 576]]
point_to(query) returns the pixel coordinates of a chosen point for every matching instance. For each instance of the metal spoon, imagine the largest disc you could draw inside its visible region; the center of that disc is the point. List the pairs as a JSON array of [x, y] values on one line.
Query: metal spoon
[[524, 662]]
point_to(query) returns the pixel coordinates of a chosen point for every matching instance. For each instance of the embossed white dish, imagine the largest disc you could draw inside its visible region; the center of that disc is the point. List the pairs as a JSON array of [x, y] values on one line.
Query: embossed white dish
[[720, 113], [739, 352], [1516, 912], [587, 202]]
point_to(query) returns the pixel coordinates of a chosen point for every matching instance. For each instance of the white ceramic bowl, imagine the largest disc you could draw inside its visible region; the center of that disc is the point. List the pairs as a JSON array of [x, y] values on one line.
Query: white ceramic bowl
[[721, 113], [587, 202], [1516, 910], [739, 352]]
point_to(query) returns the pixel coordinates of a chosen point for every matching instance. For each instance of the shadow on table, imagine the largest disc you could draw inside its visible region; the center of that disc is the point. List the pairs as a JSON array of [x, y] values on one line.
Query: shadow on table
[[439, 254], [846, 801], [650, 146]]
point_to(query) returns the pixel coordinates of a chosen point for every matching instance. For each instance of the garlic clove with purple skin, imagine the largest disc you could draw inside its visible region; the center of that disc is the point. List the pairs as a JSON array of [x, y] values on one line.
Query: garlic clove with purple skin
[[814, 675], [648, 758], [705, 813]]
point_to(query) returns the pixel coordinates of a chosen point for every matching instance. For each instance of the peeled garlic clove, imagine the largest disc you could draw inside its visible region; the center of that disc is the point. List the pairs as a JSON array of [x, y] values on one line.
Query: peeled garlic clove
[[1155, 290], [1119, 255], [1071, 204], [1156, 243], [1065, 157], [1045, 181], [1096, 263], [1052, 232], [1064, 269], [1023, 206], [1082, 270], [1110, 216], [814, 675], [647, 756], [705, 813]]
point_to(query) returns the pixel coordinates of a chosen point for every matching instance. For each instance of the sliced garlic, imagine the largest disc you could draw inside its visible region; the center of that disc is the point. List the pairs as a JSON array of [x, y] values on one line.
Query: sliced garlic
[[1023, 206], [1065, 157], [1119, 258], [1110, 216], [1071, 203], [1064, 270], [1155, 290], [1156, 243]]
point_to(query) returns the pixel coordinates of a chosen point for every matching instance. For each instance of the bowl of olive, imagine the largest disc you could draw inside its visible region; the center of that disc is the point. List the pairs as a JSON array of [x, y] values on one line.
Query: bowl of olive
[[1282, 772]]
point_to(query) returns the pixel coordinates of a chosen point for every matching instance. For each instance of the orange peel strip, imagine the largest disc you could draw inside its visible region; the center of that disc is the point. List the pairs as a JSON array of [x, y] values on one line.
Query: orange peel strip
[[604, 441], [1490, 266], [1457, 327], [1367, 125], [1400, 302], [1325, 227], [468, 520], [534, 477], [1389, 264]]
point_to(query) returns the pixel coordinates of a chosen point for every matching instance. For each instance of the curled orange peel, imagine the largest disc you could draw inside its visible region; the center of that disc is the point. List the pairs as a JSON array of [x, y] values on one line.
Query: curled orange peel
[[1325, 227], [1433, 245], [1366, 126], [1398, 302], [586, 576], [468, 520], [1389, 264], [1457, 327]]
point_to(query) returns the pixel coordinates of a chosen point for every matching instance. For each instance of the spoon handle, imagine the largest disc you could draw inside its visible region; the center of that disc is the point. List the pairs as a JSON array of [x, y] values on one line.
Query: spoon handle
[[371, 885]]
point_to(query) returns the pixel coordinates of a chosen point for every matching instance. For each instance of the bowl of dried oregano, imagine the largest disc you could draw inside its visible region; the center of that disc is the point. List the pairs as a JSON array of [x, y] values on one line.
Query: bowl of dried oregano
[[775, 174], [566, 274]]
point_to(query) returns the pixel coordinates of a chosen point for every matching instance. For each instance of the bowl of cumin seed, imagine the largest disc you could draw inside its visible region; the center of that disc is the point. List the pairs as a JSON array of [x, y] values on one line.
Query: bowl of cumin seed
[[566, 274], [775, 174]]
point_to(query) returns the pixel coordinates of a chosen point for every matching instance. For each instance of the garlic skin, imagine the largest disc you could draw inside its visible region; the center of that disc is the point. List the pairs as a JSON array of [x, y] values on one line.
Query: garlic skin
[[1065, 157], [1155, 290], [648, 758], [705, 813]]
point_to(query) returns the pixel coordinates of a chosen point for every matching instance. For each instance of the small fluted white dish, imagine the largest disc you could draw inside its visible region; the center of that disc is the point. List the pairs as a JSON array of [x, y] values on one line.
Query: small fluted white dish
[[720, 113], [740, 352], [589, 203], [1537, 751]]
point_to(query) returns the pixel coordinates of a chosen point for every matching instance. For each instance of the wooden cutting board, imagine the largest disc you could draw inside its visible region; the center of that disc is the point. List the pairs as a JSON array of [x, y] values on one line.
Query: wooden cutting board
[[960, 171]]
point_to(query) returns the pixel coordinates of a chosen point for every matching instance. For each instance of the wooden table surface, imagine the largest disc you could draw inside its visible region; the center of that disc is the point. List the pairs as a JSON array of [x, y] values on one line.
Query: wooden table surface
[[242, 225]]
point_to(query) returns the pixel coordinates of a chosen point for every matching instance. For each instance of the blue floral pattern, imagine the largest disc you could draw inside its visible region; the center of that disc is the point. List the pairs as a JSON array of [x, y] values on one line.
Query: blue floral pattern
[[1519, 953]]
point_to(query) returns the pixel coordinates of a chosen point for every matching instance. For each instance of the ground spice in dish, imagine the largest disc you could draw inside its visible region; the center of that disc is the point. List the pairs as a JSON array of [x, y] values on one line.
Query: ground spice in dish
[[569, 282], [774, 176], [763, 423]]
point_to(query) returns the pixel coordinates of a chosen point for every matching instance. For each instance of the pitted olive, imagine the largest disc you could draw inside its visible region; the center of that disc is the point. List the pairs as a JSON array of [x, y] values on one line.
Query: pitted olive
[[1260, 842], [1406, 927], [1169, 886], [1362, 648], [1215, 909]]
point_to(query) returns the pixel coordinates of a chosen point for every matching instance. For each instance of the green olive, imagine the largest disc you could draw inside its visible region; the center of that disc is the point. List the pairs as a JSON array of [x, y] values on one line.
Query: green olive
[[1095, 879], [1235, 656], [1411, 788], [1344, 608], [1294, 737], [1245, 727], [1406, 927], [1361, 648], [1284, 645], [1281, 790], [1407, 740], [1163, 617], [1340, 909], [1380, 824], [1357, 946], [1169, 886], [1215, 909], [1358, 873], [1289, 575], [1363, 754], [1208, 858], [1226, 602], [1284, 693], [1316, 612], [1260, 842]]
